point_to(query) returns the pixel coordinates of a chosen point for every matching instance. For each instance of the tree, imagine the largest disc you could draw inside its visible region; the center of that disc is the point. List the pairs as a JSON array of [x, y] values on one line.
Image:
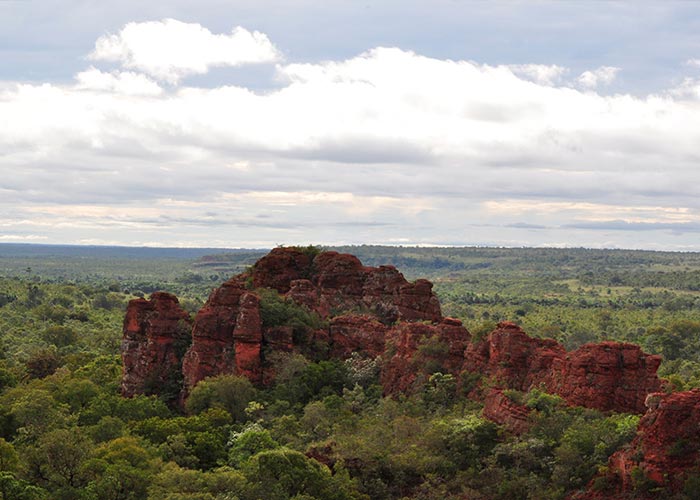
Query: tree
[[120, 469], [228, 392], [57, 459], [250, 441], [8, 457], [282, 473], [12, 488]]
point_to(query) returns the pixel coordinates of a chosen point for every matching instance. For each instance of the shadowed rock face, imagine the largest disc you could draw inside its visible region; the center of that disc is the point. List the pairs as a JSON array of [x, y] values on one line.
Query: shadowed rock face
[[213, 352], [376, 312], [155, 334], [513, 359], [333, 283]]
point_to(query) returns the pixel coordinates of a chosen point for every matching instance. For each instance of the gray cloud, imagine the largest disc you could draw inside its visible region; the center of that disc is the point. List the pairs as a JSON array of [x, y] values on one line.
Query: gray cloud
[[619, 225]]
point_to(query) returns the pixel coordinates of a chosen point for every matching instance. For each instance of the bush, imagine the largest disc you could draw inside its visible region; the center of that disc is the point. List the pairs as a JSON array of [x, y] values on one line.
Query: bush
[[252, 440], [276, 311], [315, 381]]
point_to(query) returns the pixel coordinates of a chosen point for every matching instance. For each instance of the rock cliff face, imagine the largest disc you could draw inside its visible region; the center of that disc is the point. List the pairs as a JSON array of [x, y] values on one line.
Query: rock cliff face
[[513, 359], [360, 304], [333, 283], [416, 350], [500, 409], [374, 311], [156, 334], [666, 450], [212, 351], [608, 376]]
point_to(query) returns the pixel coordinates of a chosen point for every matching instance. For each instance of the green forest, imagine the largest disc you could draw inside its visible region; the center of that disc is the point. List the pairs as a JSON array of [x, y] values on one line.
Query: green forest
[[323, 429]]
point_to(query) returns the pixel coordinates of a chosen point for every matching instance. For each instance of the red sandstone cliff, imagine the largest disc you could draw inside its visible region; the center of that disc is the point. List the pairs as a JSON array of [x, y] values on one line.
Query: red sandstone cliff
[[156, 331], [416, 350], [360, 303], [213, 351], [666, 450], [608, 376], [373, 310], [512, 359], [500, 409], [333, 282]]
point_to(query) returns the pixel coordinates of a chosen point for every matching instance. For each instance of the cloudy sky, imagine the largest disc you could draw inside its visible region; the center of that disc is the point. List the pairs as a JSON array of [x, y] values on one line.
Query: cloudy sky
[[249, 124]]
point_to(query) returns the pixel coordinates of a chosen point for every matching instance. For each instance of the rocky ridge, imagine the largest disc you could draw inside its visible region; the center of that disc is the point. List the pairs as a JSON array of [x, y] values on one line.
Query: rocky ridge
[[376, 312]]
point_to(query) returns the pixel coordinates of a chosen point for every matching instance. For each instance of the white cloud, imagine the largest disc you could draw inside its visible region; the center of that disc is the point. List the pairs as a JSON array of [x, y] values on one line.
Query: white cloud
[[541, 74], [386, 146], [693, 63], [689, 88], [595, 212], [169, 50], [604, 75], [118, 82]]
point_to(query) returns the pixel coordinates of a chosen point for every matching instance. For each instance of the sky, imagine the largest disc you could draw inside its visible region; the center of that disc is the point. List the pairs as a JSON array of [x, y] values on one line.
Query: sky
[[253, 124]]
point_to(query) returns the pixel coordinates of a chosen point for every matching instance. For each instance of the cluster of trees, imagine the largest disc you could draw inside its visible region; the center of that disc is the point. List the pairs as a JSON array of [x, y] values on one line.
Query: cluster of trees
[[313, 435]]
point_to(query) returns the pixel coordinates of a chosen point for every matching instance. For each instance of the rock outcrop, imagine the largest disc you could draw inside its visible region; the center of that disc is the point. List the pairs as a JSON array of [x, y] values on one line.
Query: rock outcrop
[[608, 376], [155, 336], [512, 359], [499, 408], [357, 332], [376, 312], [331, 283], [664, 454], [416, 350], [360, 305], [213, 351]]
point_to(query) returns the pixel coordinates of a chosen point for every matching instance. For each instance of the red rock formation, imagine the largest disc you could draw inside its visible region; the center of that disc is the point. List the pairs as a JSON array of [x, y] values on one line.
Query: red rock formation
[[665, 451], [609, 376], [512, 358], [247, 338], [279, 338], [338, 274], [362, 305], [212, 351], [304, 293], [500, 409], [415, 350], [155, 331], [334, 283], [356, 332], [228, 336], [280, 267]]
